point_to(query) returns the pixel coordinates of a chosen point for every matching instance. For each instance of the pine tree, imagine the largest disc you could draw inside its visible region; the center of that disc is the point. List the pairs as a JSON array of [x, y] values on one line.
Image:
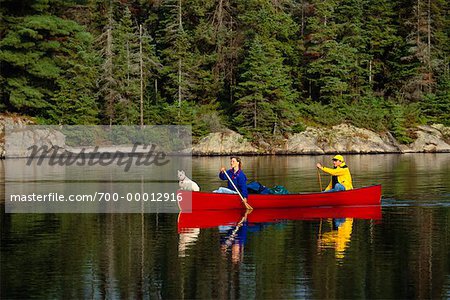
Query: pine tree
[[437, 103], [416, 21], [181, 71], [35, 54], [322, 30], [126, 69], [383, 45], [175, 53], [264, 94], [224, 38], [148, 68], [76, 100], [108, 92], [264, 90], [350, 19], [436, 106]]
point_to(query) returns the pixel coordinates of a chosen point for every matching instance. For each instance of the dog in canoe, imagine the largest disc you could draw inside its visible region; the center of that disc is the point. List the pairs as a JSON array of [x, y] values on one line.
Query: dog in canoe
[[186, 183]]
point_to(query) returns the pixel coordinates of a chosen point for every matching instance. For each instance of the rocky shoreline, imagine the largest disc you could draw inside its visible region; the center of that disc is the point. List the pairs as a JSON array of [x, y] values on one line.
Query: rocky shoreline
[[343, 138]]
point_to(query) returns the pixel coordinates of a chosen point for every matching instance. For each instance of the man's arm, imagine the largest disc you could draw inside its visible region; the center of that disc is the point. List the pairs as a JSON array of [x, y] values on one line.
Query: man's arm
[[333, 172]]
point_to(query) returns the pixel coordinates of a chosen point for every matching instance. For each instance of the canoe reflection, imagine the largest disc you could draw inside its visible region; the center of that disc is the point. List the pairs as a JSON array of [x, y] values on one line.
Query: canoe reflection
[[207, 219], [233, 226]]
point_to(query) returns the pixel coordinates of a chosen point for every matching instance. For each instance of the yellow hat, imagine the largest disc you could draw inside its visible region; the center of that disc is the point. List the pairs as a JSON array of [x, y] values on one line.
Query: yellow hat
[[338, 157]]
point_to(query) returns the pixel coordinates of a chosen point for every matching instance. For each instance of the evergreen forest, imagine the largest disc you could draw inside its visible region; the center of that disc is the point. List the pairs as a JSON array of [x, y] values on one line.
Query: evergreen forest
[[264, 68]]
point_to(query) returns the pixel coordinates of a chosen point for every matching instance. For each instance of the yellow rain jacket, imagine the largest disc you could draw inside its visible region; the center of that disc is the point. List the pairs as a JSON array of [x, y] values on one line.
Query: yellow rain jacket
[[343, 176]]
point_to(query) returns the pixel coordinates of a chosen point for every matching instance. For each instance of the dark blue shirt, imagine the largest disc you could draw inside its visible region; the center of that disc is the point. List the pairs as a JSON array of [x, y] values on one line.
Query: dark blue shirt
[[239, 179]]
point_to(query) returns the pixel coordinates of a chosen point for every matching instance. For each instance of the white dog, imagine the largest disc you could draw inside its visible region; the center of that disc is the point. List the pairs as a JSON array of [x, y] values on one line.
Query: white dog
[[185, 183]]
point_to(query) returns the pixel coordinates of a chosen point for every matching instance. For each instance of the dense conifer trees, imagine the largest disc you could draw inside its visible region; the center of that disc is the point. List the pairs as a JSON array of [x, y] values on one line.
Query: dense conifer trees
[[261, 67]]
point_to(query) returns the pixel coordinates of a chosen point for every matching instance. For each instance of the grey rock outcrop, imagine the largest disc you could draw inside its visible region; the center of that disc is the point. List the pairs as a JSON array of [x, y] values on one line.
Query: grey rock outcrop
[[341, 138], [224, 143], [10, 121], [306, 142], [434, 138], [21, 143]]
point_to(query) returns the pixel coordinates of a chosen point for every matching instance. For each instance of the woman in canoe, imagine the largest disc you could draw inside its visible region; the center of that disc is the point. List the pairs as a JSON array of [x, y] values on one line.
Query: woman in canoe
[[341, 179], [237, 176]]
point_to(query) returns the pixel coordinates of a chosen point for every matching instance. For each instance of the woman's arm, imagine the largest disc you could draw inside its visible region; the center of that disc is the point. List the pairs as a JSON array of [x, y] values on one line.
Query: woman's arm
[[222, 174]]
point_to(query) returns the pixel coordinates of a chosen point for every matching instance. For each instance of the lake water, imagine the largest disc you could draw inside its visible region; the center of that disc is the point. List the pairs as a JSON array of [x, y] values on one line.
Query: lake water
[[403, 253]]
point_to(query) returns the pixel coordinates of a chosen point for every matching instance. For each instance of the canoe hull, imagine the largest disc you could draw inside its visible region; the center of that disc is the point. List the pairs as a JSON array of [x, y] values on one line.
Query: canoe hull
[[195, 201]]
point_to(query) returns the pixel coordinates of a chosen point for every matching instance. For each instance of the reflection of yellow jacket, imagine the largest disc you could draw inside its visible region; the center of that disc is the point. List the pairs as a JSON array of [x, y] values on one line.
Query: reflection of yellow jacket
[[338, 238], [343, 176]]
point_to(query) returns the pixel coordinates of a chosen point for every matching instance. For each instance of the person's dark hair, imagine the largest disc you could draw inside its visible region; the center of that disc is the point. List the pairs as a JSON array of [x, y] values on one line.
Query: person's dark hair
[[238, 159]]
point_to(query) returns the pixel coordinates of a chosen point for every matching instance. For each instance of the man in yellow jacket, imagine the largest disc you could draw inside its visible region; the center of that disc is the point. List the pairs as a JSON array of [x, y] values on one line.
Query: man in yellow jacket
[[341, 179]]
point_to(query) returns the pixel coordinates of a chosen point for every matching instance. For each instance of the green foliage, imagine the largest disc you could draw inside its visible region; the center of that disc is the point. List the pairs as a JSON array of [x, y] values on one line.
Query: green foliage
[[373, 113], [75, 100], [370, 113], [77, 136], [44, 59], [318, 113], [177, 55], [265, 93], [203, 119], [298, 127], [208, 119], [126, 69], [436, 107], [398, 124], [260, 67]]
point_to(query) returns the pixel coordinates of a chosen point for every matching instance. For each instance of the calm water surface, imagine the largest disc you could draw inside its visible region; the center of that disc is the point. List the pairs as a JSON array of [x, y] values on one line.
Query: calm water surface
[[403, 254]]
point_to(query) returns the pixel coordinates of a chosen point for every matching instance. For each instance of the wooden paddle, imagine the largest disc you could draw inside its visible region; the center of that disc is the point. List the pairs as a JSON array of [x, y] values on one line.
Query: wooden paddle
[[247, 206], [320, 179], [320, 225]]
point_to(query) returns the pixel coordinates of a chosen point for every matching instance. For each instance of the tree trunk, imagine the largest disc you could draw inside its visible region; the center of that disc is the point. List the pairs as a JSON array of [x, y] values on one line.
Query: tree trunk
[[141, 63], [303, 19], [418, 24], [156, 91], [109, 75], [255, 123], [430, 72], [180, 28], [128, 63]]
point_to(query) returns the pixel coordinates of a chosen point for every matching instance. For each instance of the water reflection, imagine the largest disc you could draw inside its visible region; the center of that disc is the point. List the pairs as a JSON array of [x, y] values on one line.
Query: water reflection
[[235, 226], [337, 238], [399, 251], [233, 238], [187, 238]]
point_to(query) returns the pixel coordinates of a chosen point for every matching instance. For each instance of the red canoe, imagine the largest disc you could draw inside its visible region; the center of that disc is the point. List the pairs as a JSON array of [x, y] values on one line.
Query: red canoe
[[214, 218], [195, 201]]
